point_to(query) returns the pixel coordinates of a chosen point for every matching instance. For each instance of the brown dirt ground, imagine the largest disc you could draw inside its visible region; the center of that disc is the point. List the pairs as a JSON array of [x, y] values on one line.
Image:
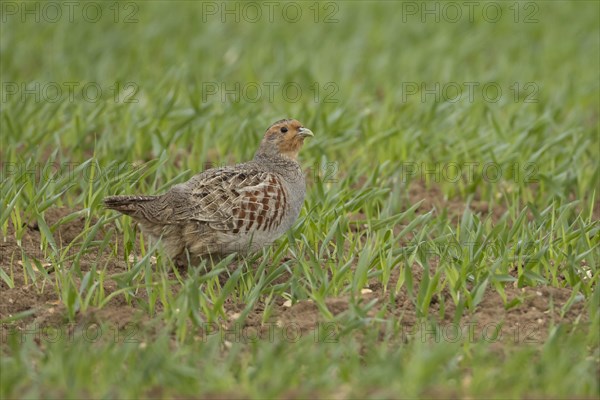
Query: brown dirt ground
[[527, 322]]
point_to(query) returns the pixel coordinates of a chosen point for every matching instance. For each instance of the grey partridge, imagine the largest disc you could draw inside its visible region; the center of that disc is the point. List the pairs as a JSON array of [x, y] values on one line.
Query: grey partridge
[[231, 209]]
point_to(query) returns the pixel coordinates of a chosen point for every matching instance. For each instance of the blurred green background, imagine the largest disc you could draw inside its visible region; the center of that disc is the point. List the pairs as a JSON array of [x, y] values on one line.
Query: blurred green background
[[360, 61]]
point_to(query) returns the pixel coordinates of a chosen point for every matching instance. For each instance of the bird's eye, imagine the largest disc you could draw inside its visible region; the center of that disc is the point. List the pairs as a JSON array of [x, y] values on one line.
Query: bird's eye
[[284, 130]]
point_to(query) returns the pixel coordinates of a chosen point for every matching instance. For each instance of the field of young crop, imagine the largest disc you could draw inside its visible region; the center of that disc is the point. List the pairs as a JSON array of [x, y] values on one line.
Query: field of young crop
[[448, 245]]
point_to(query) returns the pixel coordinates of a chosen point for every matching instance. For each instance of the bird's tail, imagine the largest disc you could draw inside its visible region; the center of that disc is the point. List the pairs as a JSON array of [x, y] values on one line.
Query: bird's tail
[[127, 204]]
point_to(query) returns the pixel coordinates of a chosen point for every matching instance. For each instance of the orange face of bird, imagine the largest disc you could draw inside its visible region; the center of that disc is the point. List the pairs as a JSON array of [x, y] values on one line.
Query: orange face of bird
[[288, 136]]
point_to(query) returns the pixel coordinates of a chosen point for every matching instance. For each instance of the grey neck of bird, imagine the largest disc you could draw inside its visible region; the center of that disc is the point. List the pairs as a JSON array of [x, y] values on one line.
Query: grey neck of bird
[[274, 158], [279, 163]]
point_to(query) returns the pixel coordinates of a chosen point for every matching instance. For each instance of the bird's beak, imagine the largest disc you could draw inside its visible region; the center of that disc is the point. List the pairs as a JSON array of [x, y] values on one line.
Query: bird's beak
[[305, 132]]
